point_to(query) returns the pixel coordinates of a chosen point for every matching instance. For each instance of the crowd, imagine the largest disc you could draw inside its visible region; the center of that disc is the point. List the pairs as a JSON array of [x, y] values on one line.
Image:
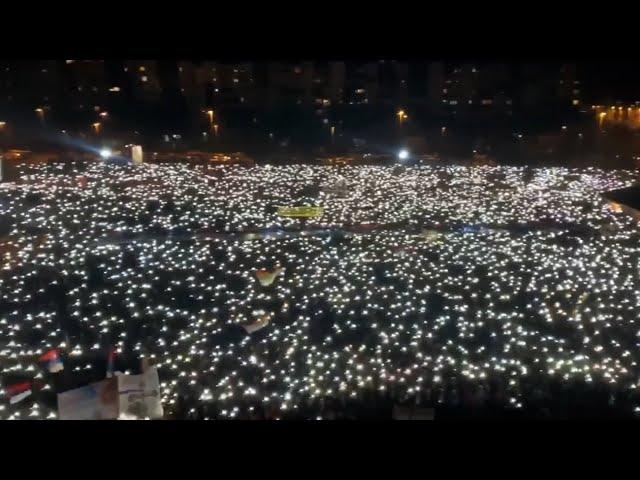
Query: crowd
[[467, 289]]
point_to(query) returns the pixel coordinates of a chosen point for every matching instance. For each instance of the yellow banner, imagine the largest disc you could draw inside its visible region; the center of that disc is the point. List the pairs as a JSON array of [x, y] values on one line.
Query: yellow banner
[[300, 211]]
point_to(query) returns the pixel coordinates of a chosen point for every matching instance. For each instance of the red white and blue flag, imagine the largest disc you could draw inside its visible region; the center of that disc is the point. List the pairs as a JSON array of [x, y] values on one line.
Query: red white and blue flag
[[52, 360], [18, 391]]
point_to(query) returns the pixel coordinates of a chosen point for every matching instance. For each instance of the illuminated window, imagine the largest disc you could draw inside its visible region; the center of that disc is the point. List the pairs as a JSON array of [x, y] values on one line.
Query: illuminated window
[[487, 101], [70, 61], [453, 102], [114, 89], [575, 101], [142, 69], [235, 80], [144, 78]]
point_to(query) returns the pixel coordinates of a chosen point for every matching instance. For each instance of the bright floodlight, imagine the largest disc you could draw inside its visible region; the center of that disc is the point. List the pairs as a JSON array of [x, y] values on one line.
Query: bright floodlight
[[403, 154], [105, 153]]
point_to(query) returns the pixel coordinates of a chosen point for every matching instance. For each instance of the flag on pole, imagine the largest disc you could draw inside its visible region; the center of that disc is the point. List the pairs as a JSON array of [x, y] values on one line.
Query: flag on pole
[[52, 360], [110, 361], [266, 277], [18, 392], [259, 324]]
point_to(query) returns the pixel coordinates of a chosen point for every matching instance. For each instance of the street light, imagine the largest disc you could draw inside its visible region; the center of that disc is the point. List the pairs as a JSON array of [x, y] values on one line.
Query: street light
[[601, 118], [210, 114], [105, 153], [401, 116], [103, 114], [215, 129], [96, 126], [403, 154], [40, 112]]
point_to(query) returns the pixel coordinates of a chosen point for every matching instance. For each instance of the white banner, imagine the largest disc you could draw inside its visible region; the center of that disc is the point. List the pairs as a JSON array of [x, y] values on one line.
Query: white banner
[[139, 396], [96, 401]]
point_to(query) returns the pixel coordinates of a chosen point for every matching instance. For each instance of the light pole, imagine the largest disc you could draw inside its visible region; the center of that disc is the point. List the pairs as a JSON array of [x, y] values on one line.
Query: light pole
[[96, 127], [601, 117], [40, 112], [210, 115], [402, 116]]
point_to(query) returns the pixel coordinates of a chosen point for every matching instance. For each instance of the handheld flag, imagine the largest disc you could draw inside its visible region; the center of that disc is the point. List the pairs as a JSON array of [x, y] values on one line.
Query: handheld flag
[[259, 324], [266, 277], [52, 360], [18, 392]]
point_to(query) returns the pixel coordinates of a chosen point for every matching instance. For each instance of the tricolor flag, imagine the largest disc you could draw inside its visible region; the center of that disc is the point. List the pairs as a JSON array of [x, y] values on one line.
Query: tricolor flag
[[53, 361], [266, 277], [110, 361], [18, 392], [259, 324]]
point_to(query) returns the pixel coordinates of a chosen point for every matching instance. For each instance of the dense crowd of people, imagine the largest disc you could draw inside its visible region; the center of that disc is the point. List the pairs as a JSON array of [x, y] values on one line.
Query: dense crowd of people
[[467, 289]]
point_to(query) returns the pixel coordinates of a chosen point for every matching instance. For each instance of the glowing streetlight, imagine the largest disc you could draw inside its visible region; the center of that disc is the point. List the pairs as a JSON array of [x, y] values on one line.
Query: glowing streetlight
[[105, 153], [403, 154], [103, 114], [210, 115], [96, 126], [2, 125], [215, 129], [401, 116], [601, 117], [40, 112]]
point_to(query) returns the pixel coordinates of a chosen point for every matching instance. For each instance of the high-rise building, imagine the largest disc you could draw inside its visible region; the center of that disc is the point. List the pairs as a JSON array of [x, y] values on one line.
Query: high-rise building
[[195, 80], [435, 84], [31, 89], [569, 88], [144, 82], [85, 83], [392, 82], [328, 83], [362, 83], [290, 83]]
